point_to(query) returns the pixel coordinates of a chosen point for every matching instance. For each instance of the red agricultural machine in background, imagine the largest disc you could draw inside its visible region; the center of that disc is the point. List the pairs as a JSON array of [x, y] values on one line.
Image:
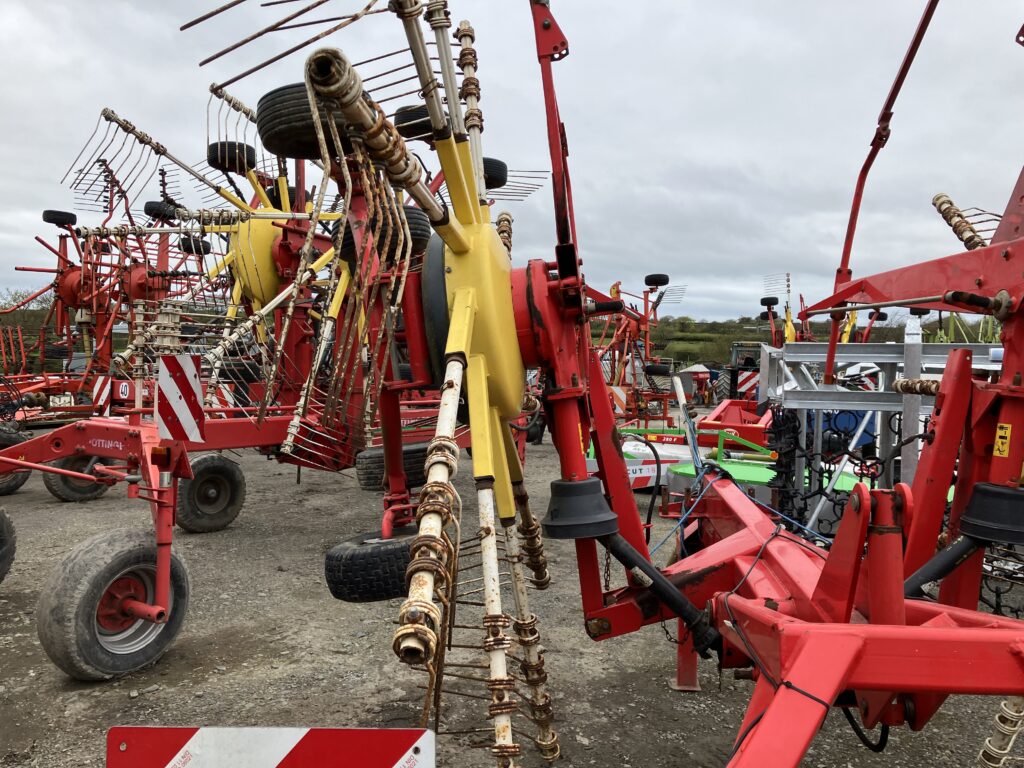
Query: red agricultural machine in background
[[636, 376]]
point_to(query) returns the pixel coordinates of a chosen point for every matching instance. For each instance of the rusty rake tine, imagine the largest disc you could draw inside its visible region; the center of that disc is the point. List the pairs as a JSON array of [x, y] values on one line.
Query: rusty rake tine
[[380, 57], [156, 167], [206, 16], [260, 33], [388, 72], [328, 20], [85, 147], [291, 50], [100, 175], [114, 174], [133, 173], [396, 96], [377, 88], [97, 156]]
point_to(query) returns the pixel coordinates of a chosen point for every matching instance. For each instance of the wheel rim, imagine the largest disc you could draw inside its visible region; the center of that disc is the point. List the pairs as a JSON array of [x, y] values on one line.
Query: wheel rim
[[116, 631], [78, 464], [211, 494]]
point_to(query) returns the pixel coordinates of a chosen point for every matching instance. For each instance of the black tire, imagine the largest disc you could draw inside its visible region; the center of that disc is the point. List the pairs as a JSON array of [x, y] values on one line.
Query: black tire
[[658, 369], [879, 317], [769, 301], [419, 233], [656, 280], [413, 123], [919, 311], [11, 481], [370, 466], [535, 432], [285, 124], [60, 218], [8, 544], [434, 297], [366, 568], [495, 173], [274, 195], [158, 209], [721, 388], [419, 228], [768, 313], [69, 489], [231, 157], [194, 245], [212, 499], [67, 621]]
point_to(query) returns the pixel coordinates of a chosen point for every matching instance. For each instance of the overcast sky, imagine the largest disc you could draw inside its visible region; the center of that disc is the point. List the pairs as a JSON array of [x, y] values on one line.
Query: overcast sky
[[717, 142]]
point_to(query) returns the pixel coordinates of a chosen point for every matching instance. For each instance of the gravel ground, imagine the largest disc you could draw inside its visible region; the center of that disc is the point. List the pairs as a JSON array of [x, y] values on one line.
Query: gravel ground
[[264, 644]]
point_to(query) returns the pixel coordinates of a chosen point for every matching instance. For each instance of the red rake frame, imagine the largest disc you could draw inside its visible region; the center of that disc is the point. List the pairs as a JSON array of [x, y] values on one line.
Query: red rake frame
[[820, 629]]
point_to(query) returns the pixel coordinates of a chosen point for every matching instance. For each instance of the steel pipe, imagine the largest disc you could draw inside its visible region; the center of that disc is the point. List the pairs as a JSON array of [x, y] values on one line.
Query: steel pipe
[[419, 617]]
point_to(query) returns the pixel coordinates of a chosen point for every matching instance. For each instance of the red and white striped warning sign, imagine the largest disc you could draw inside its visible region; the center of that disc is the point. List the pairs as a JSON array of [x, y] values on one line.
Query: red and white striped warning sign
[[142, 747], [746, 384], [179, 399], [101, 395]]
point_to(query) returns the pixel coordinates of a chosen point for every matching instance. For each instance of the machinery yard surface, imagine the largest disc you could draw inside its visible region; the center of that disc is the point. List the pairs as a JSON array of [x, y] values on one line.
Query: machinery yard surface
[[265, 645]]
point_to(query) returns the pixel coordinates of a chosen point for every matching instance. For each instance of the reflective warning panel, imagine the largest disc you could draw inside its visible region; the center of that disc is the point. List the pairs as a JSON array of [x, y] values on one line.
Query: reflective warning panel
[[270, 748]]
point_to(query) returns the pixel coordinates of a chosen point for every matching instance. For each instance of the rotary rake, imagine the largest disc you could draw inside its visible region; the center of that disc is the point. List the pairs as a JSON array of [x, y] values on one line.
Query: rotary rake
[[633, 372], [844, 625], [257, 342], [818, 624]]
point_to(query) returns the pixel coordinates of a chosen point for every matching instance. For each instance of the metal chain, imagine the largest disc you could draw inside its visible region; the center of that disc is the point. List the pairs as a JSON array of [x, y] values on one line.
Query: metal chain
[[607, 570], [668, 635]]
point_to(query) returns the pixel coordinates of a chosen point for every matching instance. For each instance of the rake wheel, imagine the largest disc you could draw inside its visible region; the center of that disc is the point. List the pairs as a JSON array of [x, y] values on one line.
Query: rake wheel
[[285, 124], [231, 157]]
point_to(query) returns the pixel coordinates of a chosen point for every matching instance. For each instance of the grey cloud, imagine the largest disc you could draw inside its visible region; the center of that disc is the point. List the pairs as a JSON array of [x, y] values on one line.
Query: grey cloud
[[716, 142]]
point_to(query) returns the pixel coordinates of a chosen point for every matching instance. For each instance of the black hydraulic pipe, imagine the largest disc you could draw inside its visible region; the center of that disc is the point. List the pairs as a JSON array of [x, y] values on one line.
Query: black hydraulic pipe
[[654, 491], [705, 637], [941, 565]]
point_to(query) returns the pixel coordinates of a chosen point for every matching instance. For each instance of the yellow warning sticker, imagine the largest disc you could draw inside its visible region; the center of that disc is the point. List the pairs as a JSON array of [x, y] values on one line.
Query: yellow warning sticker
[[1002, 446]]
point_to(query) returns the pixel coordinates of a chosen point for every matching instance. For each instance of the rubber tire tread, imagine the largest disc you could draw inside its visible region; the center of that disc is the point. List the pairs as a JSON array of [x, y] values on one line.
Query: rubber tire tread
[[8, 544], [67, 605], [192, 520], [656, 280], [285, 124], [370, 466], [60, 218], [359, 573], [231, 157], [275, 196], [419, 232], [419, 228], [61, 490], [413, 123], [194, 245], [495, 173], [769, 301], [158, 209], [11, 481]]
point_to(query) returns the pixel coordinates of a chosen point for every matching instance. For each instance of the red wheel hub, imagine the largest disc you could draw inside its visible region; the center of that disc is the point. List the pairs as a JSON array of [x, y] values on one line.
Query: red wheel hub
[[109, 615]]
